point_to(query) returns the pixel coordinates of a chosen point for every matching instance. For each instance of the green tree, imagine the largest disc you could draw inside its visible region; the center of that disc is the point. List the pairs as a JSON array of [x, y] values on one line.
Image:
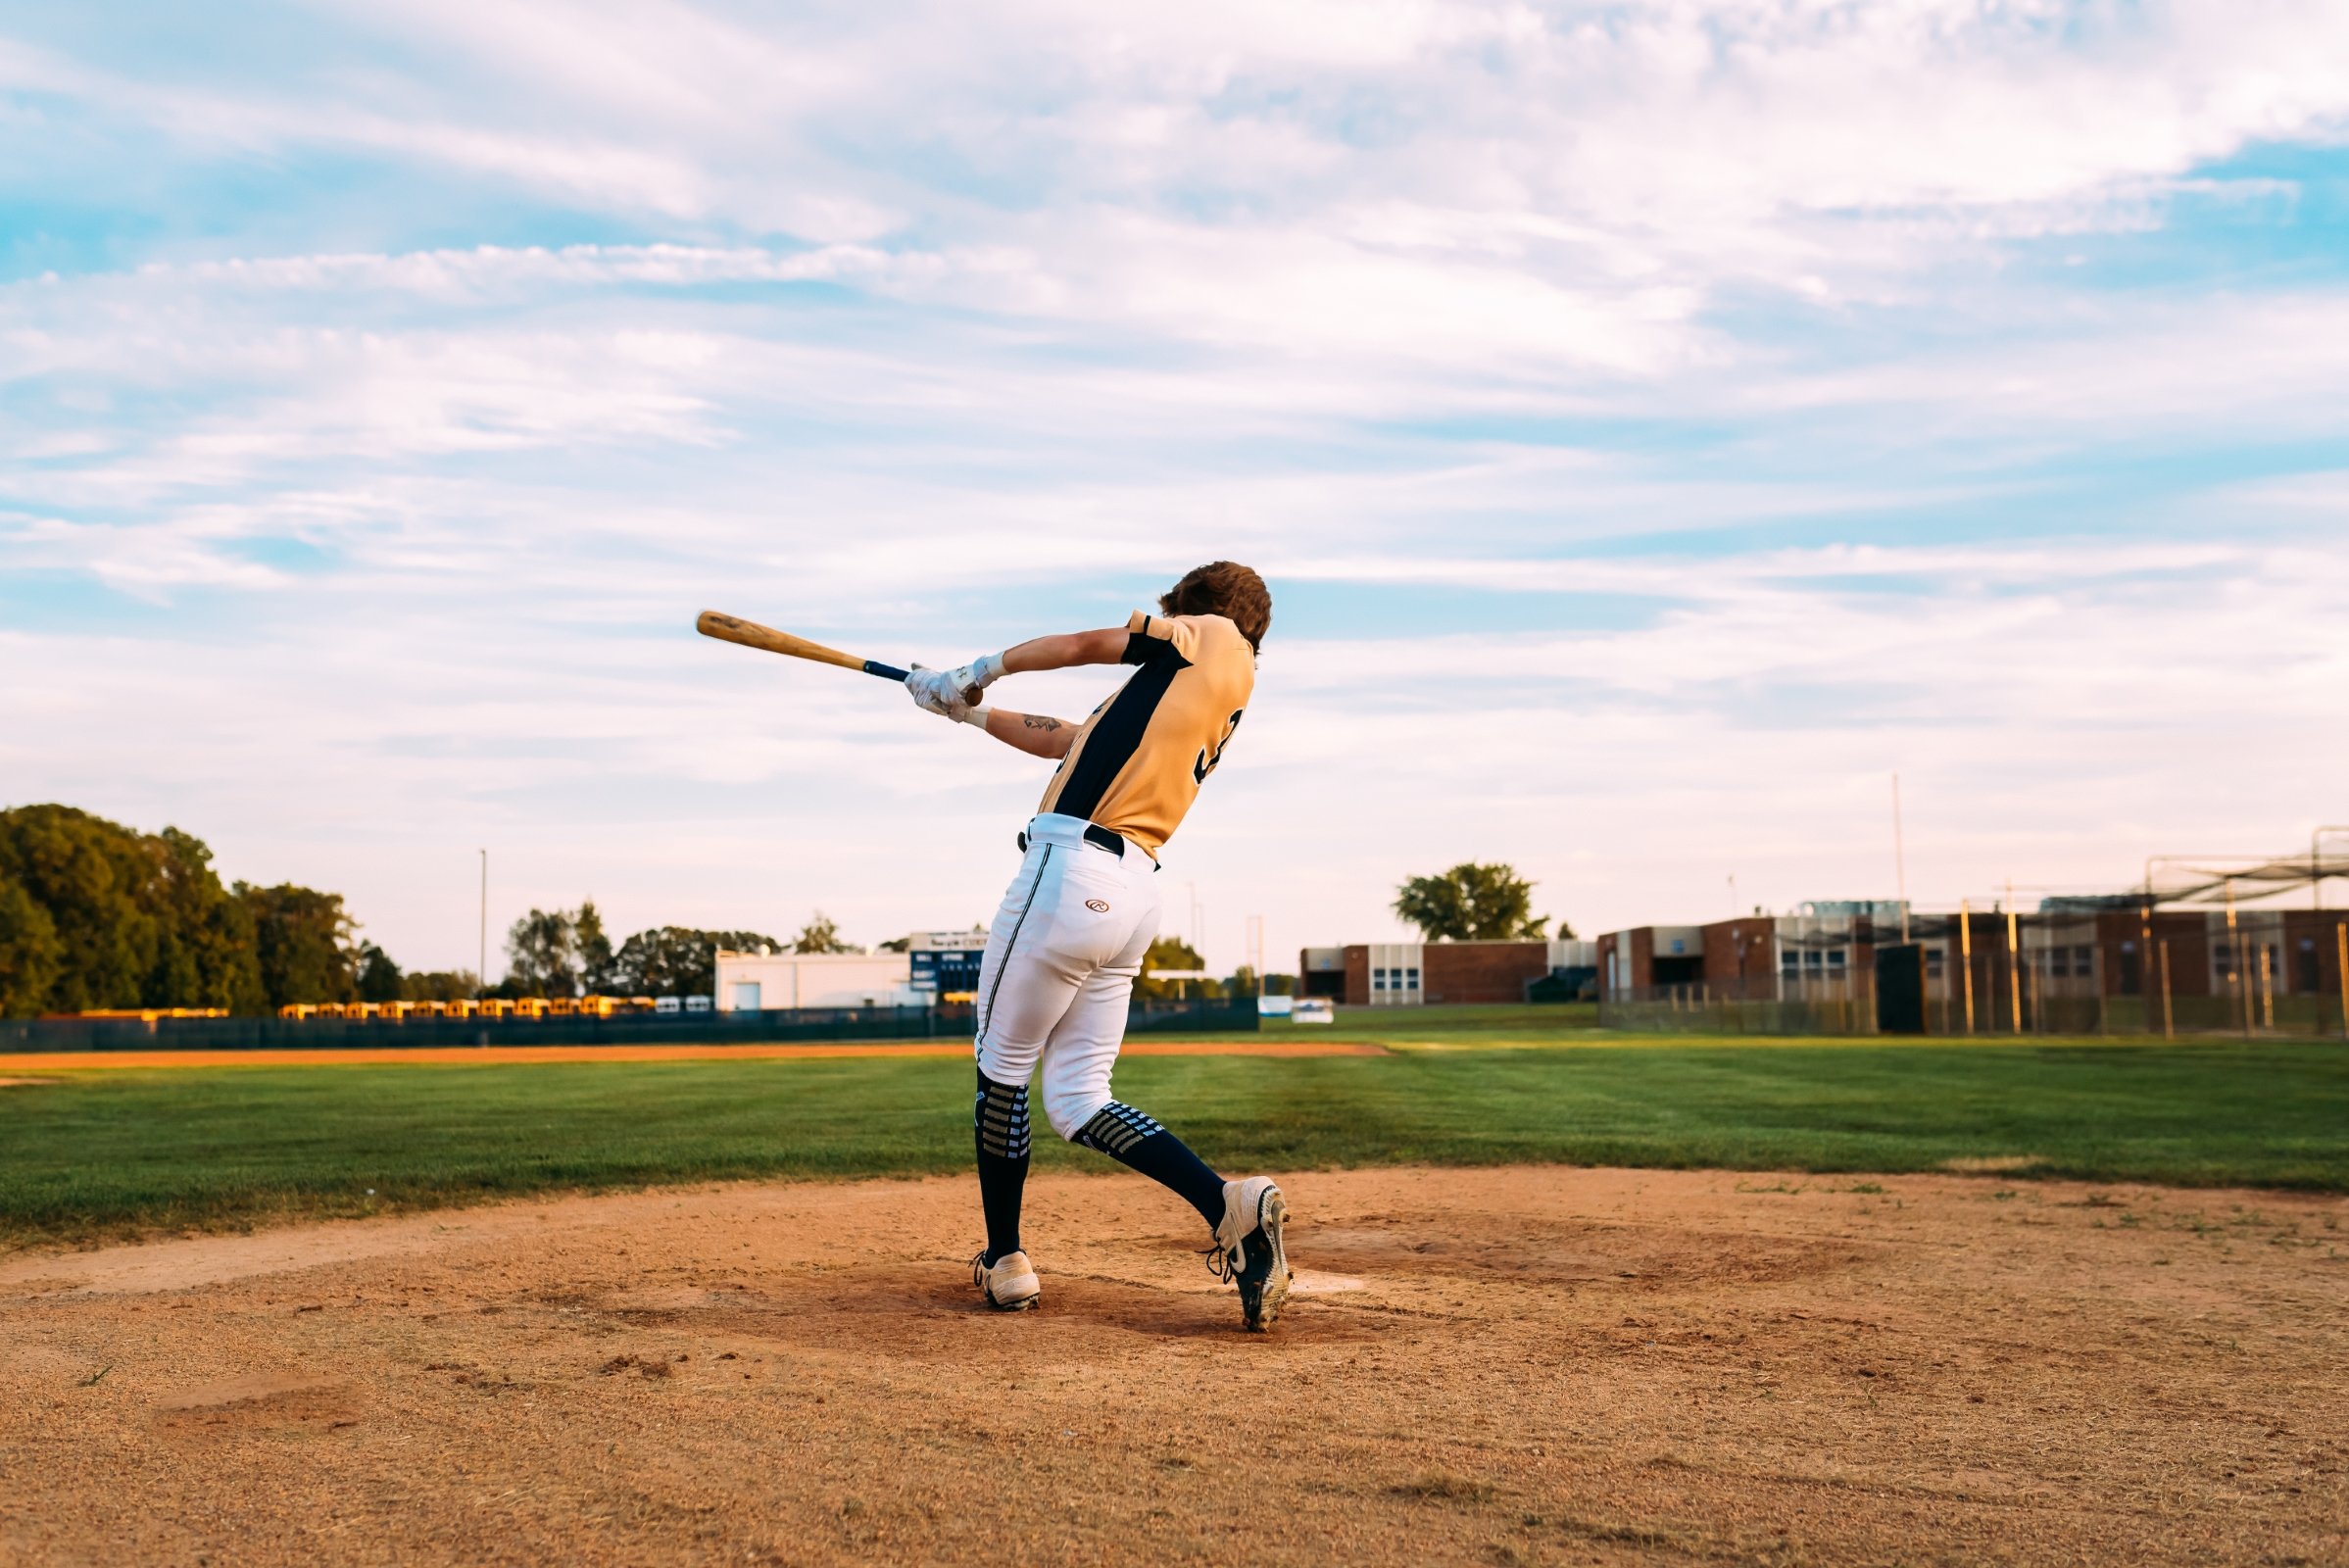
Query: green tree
[[210, 955], [303, 940], [561, 953], [378, 979], [1173, 952], [675, 960], [1471, 903], [84, 873], [594, 948], [820, 935], [542, 954], [30, 955], [439, 985], [1246, 982], [124, 919]]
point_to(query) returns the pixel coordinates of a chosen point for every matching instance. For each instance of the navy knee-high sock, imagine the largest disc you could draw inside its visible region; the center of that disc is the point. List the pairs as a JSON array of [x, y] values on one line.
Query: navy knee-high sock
[[1130, 1138], [1000, 1115]]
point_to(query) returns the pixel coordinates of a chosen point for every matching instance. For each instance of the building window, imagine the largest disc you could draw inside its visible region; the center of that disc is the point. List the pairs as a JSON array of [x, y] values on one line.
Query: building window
[[2224, 961], [2059, 963], [1410, 979]]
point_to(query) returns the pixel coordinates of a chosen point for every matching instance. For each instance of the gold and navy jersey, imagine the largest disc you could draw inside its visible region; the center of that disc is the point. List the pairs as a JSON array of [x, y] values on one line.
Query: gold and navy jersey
[[1138, 762]]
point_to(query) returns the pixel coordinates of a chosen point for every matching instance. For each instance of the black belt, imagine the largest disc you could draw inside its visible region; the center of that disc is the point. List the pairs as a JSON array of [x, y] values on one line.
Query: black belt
[[1100, 837]]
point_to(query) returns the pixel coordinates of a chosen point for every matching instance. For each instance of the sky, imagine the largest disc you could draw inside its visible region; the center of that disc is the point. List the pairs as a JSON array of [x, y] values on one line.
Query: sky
[[1659, 423]]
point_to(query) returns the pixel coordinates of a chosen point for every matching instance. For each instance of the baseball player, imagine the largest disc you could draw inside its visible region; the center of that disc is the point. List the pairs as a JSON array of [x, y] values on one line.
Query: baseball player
[[1080, 916]]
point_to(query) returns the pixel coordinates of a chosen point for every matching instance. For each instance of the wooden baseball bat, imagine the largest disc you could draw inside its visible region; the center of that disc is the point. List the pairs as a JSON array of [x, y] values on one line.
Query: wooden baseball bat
[[748, 633]]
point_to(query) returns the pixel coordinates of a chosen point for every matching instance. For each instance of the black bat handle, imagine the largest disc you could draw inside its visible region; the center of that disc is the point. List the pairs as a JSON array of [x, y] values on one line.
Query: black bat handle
[[873, 667]]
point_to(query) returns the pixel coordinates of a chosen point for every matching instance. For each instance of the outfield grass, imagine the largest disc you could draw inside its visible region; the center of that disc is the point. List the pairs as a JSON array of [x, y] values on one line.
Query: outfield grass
[[125, 1153]]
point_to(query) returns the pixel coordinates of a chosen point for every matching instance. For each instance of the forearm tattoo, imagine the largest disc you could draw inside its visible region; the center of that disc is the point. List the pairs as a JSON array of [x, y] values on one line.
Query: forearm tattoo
[[1039, 721]]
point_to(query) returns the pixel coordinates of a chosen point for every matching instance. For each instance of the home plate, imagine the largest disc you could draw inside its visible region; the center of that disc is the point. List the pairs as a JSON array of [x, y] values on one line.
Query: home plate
[[1304, 1283]]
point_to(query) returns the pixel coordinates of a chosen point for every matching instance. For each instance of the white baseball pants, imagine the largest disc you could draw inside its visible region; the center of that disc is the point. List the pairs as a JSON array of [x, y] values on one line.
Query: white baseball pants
[[1060, 967]]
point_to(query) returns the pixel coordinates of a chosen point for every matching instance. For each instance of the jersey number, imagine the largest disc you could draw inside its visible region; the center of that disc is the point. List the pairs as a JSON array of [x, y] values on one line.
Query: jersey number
[[1206, 761]]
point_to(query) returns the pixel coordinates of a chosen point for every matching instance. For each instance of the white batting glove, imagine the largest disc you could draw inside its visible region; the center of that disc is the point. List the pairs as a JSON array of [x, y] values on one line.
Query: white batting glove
[[934, 691], [976, 677]]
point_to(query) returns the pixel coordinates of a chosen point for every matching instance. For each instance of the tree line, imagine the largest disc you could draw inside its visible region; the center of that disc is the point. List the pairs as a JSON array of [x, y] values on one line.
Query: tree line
[[96, 915], [566, 952]]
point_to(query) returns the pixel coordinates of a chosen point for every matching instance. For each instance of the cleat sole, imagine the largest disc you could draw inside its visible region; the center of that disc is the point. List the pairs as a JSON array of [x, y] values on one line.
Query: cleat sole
[[1272, 1218]]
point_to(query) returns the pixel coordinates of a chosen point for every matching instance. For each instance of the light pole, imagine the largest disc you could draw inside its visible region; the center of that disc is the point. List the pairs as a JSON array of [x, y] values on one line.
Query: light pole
[[1900, 860], [481, 969]]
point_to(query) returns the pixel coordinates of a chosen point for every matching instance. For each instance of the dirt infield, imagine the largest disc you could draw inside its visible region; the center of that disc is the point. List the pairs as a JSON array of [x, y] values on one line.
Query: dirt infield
[[1497, 1366], [483, 1055]]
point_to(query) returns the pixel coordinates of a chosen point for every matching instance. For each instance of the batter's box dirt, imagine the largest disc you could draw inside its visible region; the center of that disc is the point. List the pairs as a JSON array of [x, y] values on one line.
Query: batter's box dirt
[[259, 1404], [1425, 1245], [928, 1313], [1532, 1365]]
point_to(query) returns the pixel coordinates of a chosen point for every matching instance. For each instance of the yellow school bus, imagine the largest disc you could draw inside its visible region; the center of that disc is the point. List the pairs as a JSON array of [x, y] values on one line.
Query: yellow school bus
[[150, 1014]]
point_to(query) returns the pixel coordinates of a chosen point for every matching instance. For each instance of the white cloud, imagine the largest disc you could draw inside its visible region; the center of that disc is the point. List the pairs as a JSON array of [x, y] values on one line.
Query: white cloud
[[1680, 145], [946, 318]]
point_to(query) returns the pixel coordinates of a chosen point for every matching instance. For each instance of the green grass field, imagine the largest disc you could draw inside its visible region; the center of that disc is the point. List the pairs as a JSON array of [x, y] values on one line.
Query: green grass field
[[125, 1153]]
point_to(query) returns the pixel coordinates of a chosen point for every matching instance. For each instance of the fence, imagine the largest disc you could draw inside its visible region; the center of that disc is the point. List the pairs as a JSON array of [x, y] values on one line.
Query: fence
[[1752, 1007], [665, 1028], [2020, 1000]]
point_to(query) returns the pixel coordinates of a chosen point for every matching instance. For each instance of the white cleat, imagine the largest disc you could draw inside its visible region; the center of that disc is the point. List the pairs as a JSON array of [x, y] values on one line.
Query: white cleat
[[1011, 1286], [1248, 1250]]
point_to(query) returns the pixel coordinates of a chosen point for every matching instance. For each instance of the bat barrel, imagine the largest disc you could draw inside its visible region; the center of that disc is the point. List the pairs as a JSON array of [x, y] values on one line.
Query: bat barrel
[[749, 634]]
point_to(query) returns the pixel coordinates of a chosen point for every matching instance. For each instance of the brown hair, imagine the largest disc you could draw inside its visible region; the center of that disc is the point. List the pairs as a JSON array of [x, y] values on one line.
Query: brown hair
[[1223, 588]]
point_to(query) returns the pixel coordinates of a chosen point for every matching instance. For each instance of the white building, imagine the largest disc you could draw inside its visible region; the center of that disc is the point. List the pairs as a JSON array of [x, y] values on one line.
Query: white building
[[748, 982]]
